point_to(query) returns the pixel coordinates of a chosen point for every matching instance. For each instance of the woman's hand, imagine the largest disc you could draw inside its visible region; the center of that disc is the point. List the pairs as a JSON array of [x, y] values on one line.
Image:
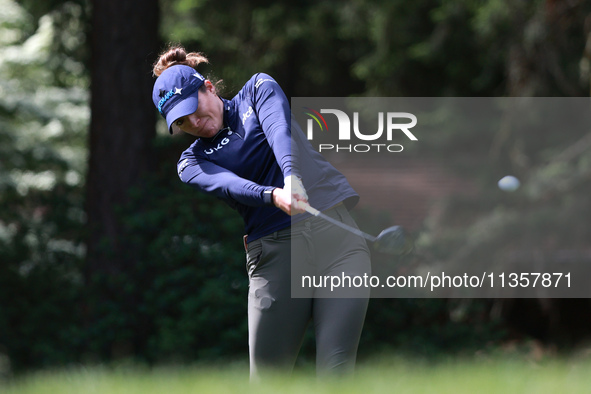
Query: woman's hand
[[292, 197]]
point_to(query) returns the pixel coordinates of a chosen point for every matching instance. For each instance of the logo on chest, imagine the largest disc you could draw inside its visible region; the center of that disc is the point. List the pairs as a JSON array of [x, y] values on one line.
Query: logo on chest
[[219, 146], [246, 115]]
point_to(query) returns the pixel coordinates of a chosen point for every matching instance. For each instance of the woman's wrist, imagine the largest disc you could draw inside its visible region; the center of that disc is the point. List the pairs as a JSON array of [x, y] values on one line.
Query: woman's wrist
[[274, 196], [269, 196]]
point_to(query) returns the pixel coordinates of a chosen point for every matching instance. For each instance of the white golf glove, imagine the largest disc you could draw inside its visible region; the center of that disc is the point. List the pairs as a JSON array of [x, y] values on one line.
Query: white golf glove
[[295, 187]]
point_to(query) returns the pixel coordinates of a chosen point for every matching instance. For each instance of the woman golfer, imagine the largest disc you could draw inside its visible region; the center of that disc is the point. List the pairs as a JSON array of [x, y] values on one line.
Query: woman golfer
[[247, 154]]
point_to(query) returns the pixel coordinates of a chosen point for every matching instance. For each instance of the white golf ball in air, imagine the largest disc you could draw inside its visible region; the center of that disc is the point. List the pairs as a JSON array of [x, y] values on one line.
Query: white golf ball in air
[[509, 183]]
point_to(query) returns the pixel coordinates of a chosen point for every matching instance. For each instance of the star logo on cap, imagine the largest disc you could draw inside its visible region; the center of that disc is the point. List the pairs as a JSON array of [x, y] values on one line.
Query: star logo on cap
[[178, 91]]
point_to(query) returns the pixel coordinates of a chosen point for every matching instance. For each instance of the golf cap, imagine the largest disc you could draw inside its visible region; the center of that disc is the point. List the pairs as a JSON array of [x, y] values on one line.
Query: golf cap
[[175, 93]]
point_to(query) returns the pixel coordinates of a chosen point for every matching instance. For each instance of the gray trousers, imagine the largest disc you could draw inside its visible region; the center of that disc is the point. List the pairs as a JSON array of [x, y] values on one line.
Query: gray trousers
[[277, 321]]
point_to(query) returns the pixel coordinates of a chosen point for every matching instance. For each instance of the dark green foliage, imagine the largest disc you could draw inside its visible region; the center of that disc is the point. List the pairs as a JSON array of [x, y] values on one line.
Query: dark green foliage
[[430, 327], [183, 299], [40, 280], [183, 295]]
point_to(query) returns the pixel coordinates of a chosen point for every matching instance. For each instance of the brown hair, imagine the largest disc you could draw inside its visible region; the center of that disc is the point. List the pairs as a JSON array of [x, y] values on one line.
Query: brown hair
[[175, 55]]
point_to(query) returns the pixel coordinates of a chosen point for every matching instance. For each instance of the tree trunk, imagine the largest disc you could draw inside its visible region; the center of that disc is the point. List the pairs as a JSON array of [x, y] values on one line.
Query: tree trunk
[[124, 42]]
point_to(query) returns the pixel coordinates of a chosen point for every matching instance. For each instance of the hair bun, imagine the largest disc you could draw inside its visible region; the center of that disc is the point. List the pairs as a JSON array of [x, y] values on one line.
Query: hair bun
[[176, 55]]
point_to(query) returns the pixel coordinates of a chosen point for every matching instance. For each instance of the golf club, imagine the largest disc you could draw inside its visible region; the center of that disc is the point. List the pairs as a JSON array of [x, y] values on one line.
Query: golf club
[[391, 240]]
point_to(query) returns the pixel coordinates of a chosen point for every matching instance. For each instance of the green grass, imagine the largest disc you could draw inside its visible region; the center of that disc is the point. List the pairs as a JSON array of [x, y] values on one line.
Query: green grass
[[390, 375]]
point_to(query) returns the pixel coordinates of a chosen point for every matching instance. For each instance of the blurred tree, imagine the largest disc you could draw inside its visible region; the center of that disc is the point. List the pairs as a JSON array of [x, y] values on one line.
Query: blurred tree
[[541, 48], [43, 123], [298, 42], [123, 41]]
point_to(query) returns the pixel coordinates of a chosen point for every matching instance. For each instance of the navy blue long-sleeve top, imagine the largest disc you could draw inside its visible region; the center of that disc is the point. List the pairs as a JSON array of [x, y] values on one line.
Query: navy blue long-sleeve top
[[255, 151]]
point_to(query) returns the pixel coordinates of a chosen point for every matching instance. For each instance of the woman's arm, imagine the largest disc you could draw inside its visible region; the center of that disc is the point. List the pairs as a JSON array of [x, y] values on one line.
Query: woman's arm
[[272, 109], [274, 114], [230, 187], [219, 181]]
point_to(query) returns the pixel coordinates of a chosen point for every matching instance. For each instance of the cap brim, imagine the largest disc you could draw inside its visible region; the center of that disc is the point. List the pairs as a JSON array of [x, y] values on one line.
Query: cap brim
[[184, 108]]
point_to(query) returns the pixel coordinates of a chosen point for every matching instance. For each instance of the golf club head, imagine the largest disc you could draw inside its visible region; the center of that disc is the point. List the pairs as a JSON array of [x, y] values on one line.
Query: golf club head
[[393, 240]]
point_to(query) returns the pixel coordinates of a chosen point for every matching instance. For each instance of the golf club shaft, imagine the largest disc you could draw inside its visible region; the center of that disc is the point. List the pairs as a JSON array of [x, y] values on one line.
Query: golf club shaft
[[317, 213]]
